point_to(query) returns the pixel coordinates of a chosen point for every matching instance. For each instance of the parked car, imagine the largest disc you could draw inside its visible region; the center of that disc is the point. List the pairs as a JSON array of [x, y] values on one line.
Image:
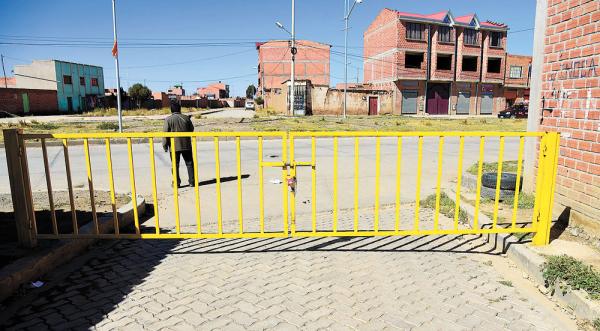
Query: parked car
[[249, 105], [514, 111]]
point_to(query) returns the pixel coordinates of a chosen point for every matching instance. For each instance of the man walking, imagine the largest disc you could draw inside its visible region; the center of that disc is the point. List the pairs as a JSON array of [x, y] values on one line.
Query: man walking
[[177, 122]]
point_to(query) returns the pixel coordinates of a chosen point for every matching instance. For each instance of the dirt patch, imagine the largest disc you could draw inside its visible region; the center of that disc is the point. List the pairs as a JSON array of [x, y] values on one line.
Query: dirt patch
[[81, 199]]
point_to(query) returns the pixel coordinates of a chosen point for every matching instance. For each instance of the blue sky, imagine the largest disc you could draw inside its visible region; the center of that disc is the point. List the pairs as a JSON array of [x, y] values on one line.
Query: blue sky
[[236, 23]]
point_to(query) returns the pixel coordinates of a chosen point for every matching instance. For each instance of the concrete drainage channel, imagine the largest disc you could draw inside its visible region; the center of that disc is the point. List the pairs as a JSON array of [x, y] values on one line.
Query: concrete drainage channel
[[31, 267]]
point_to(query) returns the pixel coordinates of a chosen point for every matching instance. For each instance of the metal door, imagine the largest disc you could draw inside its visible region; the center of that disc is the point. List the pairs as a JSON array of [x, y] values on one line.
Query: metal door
[[438, 98], [463, 104], [409, 102], [373, 103], [25, 102], [487, 103]]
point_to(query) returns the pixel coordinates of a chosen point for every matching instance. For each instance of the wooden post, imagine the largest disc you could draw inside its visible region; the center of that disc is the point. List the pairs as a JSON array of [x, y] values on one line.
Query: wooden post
[[20, 187]]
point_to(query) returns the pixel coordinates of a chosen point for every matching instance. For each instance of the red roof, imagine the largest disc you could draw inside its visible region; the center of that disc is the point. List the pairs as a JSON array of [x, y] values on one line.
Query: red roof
[[441, 16]]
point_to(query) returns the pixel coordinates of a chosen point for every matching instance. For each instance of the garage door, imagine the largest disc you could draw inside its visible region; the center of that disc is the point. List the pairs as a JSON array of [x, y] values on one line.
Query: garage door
[[409, 102], [464, 99], [487, 103]]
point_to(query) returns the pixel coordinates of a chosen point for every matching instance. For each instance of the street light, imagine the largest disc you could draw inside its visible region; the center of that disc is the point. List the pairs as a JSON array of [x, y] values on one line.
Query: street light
[[346, 18], [293, 51]]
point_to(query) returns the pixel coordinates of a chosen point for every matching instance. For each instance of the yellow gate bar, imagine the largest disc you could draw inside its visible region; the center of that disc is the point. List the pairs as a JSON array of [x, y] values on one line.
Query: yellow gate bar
[[88, 166], [498, 182], [398, 178], [154, 191], [111, 183], [479, 173], [136, 217]]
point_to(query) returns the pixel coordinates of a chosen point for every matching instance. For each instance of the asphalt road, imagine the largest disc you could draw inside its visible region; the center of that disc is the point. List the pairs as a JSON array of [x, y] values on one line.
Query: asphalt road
[[273, 201]]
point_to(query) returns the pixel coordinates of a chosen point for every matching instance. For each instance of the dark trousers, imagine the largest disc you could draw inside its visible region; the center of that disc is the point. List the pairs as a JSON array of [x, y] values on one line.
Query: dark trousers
[[189, 163]]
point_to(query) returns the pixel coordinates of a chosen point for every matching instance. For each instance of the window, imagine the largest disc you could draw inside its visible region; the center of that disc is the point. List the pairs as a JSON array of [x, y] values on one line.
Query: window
[[82, 81], [496, 39], [413, 60], [444, 62], [494, 65], [67, 79], [445, 34], [516, 71], [469, 63], [471, 37], [414, 31], [94, 81]]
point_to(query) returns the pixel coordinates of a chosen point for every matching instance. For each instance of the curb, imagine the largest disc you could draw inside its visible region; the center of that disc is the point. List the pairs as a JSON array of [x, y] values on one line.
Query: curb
[[33, 267], [532, 263]]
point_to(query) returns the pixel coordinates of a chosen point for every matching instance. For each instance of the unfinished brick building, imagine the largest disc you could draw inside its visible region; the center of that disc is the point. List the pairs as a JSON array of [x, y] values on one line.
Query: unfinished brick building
[[437, 64], [274, 63]]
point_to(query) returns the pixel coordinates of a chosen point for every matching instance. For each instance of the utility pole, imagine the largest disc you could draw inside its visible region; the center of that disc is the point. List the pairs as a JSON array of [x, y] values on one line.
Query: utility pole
[[116, 55], [4, 71], [347, 12], [293, 50]]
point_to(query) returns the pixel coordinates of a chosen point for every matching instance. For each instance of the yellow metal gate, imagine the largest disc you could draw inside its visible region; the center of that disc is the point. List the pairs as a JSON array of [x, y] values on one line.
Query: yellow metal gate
[[285, 223]]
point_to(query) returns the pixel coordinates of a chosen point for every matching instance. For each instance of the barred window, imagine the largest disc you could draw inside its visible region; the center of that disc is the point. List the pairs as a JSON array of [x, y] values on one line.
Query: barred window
[[445, 34], [414, 31], [67, 79], [471, 37]]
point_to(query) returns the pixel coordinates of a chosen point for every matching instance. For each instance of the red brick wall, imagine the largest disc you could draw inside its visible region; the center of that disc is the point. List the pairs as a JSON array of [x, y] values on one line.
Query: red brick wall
[[571, 98], [41, 102], [517, 60], [312, 63]]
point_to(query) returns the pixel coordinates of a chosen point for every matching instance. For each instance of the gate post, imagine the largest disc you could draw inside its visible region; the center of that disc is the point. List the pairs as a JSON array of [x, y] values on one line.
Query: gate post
[[20, 187], [548, 163]]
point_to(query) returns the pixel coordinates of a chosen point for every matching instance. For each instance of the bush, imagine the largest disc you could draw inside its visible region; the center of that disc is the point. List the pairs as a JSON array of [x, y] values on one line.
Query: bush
[[110, 126], [43, 126], [574, 273], [447, 206], [259, 101]]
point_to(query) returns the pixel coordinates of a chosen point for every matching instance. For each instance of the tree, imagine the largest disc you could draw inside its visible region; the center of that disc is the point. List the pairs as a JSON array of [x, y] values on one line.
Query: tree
[[139, 93], [251, 91]]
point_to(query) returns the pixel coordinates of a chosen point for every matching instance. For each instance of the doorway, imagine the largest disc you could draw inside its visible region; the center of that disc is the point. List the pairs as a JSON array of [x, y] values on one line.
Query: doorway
[[438, 99], [25, 97], [70, 104], [373, 105]]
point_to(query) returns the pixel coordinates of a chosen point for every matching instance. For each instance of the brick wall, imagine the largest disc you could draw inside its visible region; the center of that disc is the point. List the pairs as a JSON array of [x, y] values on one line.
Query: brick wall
[[41, 102], [571, 102], [274, 59]]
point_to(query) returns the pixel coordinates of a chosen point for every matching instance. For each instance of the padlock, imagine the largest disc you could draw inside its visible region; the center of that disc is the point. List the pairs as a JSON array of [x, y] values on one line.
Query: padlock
[[291, 181]]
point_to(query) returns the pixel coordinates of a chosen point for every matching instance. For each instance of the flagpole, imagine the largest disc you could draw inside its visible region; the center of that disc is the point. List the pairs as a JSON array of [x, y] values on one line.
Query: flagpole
[[116, 55]]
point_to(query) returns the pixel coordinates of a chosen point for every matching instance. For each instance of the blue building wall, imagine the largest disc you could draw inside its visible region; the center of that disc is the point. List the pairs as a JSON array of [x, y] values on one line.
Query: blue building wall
[[78, 91]]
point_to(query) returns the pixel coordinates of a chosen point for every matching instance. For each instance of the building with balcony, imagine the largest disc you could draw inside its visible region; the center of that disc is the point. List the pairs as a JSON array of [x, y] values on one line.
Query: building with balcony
[[78, 86], [437, 64]]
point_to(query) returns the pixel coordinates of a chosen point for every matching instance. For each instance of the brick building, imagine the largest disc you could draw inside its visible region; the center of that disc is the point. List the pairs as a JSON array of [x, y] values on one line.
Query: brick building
[[6, 82], [570, 104], [274, 63], [215, 91], [176, 90], [28, 101], [438, 63], [517, 78]]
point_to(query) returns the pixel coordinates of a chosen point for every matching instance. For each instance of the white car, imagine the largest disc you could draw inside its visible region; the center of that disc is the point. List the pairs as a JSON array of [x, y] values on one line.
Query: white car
[[249, 105]]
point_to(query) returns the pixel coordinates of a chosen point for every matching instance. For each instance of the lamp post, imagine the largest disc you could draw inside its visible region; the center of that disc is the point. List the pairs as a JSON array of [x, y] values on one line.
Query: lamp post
[[293, 51], [348, 12]]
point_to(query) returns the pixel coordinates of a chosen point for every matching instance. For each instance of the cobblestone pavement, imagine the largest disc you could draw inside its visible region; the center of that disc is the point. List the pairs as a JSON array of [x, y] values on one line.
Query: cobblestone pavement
[[421, 283]]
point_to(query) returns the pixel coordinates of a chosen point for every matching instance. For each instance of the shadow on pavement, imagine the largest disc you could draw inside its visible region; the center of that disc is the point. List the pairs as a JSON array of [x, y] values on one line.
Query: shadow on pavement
[[81, 294]]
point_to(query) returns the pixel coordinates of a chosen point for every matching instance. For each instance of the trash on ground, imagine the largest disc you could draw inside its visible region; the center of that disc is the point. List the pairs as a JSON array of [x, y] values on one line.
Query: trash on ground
[[37, 284], [275, 181]]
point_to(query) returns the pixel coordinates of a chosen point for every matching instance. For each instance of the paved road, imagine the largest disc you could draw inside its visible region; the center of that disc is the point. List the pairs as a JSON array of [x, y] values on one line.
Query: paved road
[[250, 183], [419, 283]]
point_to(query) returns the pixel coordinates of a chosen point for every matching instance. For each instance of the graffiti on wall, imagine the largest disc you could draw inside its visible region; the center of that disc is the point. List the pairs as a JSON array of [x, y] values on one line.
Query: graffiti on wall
[[576, 69]]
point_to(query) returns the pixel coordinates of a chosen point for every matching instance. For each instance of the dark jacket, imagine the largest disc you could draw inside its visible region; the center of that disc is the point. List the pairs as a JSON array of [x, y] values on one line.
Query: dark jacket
[[177, 122]]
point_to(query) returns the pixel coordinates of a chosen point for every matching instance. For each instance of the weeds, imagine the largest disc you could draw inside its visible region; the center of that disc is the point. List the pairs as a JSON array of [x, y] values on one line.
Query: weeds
[[44, 126], [108, 126], [506, 283], [447, 206], [507, 166], [596, 324], [574, 273]]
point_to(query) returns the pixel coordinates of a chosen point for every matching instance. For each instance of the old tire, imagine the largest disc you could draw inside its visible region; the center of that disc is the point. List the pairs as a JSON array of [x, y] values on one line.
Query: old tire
[[508, 181]]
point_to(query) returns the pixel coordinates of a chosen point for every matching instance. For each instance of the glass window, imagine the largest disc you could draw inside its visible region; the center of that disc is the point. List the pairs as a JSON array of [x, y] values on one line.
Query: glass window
[[414, 31], [82, 81], [471, 37], [67, 80], [445, 34], [94, 81], [516, 71]]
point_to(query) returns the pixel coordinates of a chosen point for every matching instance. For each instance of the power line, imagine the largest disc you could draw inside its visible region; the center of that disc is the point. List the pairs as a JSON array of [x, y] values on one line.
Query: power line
[[187, 62]]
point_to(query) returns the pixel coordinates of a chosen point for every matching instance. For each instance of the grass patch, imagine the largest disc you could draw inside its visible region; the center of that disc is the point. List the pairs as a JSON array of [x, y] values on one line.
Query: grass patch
[[526, 201], [108, 126], [102, 112], [43, 126], [447, 206], [506, 283], [596, 324], [574, 273], [507, 166]]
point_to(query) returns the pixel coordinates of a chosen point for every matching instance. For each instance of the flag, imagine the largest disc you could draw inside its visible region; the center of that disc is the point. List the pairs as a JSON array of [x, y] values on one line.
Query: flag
[[115, 50]]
